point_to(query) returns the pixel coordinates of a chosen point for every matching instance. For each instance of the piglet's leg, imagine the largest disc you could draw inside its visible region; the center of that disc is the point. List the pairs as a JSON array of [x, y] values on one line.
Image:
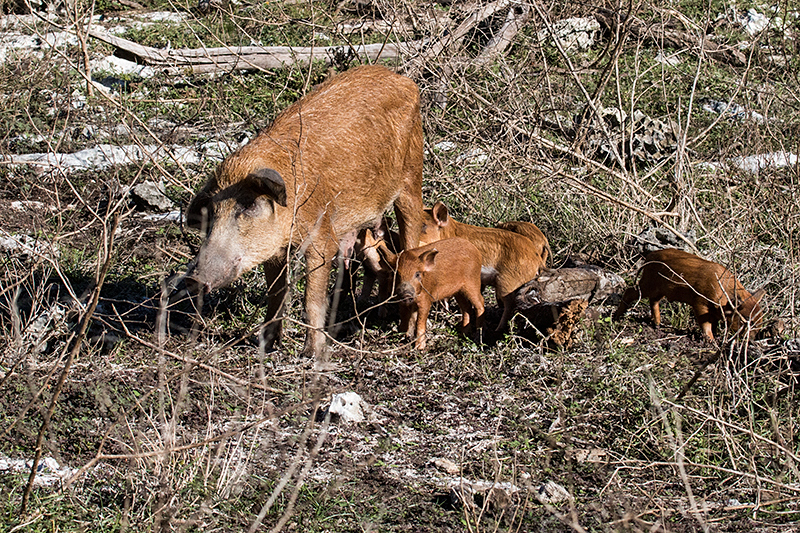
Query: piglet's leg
[[366, 288], [408, 317], [423, 308], [466, 307], [478, 304], [655, 311], [508, 311], [705, 320]]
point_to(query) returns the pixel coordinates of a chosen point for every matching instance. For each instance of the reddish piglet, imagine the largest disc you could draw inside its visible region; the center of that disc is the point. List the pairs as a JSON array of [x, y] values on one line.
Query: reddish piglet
[[708, 287], [450, 267], [532, 232], [508, 260]]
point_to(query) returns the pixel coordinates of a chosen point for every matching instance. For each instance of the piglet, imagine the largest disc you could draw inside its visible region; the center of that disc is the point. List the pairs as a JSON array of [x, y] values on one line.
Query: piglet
[[375, 267], [509, 259], [708, 287], [450, 267]]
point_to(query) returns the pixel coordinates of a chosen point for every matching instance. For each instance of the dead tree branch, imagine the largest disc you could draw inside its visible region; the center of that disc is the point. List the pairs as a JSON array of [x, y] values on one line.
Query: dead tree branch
[[672, 38]]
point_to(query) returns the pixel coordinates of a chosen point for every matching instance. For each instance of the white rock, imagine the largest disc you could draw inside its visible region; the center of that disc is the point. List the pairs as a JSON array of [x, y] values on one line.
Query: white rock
[[670, 60], [445, 146], [172, 216], [12, 21], [150, 194], [473, 156], [551, 492], [732, 110], [217, 150], [26, 245], [106, 155], [48, 472], [26, 205], [754, 22], [755, 163], [122, 67], [14, 43], [162, 16], [348, 406], [446, 465], [573, 33], [186, 155]]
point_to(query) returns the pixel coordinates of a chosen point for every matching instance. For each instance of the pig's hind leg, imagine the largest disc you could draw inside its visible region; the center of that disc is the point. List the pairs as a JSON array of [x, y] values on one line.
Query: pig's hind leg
[[472, 308]]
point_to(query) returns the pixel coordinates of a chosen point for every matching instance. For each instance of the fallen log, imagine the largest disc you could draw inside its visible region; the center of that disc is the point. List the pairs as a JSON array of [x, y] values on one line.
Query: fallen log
[[553, 304], [417, 53], [515, 21], [587, 282], [231, 58]]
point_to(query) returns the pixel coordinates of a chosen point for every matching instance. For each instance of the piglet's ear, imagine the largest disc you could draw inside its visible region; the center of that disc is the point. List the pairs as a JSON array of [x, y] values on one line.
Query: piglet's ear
[[428, 259], [757, 296], [439, 213], [269, 182], [390, 257]]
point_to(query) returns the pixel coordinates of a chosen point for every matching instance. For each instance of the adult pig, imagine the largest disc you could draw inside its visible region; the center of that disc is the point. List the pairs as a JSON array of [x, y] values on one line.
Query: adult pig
[[328, 166]]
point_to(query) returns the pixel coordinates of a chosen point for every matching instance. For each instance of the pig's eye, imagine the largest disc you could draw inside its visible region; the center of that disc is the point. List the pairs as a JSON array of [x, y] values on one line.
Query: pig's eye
[[424, 228], [249, 209], [417, 275]]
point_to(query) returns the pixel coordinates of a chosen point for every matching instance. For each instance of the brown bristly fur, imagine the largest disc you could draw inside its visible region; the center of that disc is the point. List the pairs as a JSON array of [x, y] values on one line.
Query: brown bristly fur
[[532, 232], [509, 260], [434, 272]]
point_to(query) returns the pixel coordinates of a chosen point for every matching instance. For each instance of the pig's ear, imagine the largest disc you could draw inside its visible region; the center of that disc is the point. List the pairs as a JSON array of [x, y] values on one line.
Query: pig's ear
[[428, 259], [269, 182], [200, 211], [439, 212], [390, 257]]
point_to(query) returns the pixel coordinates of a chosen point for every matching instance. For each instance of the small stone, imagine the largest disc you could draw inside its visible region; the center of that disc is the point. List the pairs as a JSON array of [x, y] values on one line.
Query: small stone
[[348, 406], [150, 195], [551, 492], [446, 465]]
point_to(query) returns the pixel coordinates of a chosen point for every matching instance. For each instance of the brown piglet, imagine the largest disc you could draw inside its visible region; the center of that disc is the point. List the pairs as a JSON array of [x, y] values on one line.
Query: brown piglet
[[708, 287], [375, 266], [327, 167], [508, 260], [434, 272]]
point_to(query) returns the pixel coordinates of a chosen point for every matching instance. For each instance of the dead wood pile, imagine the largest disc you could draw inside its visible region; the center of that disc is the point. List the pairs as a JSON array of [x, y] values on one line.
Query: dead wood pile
[[414, 55]]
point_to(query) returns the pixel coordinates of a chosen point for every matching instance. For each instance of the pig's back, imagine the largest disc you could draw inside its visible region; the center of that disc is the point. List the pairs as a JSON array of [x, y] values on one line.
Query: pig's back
[[348, 141]]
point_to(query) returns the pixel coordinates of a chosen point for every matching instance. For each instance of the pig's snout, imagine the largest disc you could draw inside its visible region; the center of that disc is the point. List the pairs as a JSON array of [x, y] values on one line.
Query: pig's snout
[[406, 292], [211, 271], [196, 286]]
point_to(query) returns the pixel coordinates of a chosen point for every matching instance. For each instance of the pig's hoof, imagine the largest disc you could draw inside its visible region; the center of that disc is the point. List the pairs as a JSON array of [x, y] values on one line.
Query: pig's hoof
[[325, 366]]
